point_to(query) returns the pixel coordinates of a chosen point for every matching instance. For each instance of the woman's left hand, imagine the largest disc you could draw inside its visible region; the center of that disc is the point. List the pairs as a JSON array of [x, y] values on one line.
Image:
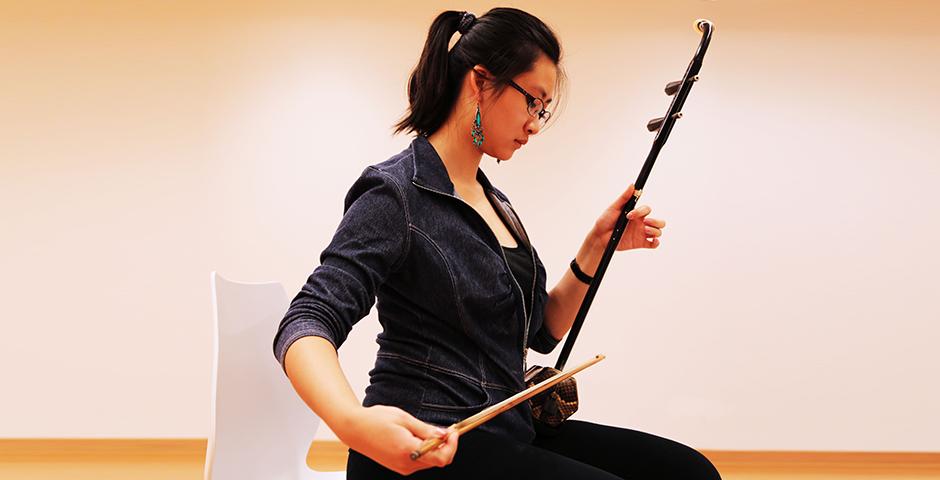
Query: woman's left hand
[[642, 231]]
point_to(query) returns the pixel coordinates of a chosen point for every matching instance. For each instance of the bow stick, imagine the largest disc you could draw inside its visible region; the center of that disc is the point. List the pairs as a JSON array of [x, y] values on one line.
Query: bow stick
[[488, 413]]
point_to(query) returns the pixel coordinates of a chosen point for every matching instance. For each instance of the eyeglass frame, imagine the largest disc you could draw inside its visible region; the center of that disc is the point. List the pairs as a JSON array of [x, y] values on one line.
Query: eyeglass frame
[[531, 101]]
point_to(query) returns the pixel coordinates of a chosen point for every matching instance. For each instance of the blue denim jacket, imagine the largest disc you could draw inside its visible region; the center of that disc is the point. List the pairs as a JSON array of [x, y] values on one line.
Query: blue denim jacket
[[453, 317]]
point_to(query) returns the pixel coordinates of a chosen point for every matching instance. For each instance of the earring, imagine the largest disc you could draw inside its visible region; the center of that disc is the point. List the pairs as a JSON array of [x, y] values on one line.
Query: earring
[[476, 131]]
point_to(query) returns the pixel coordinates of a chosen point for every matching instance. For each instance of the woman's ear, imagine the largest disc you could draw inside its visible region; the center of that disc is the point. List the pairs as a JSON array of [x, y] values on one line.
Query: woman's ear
[[479, 75]]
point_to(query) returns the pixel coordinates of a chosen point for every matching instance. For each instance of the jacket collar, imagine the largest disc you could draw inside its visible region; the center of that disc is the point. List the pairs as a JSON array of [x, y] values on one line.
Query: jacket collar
[[430, 171]]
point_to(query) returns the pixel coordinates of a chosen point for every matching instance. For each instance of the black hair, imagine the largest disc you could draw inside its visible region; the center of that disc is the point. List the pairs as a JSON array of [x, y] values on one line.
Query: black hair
[[507, 41]]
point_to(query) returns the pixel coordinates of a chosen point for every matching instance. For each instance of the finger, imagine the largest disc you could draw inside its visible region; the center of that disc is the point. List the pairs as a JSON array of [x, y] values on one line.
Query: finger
[[432, 459], [640, 211], [424, 431], [654, 222], [652, 243], [449, 449], [652, 231], [443, 454], [421, 429]]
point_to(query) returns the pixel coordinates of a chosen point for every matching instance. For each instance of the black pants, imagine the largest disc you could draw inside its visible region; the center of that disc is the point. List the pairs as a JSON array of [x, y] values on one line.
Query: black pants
[[576, 450]]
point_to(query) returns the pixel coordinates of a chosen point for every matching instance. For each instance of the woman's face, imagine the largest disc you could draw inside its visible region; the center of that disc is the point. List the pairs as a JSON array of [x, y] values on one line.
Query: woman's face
[[507, 125]]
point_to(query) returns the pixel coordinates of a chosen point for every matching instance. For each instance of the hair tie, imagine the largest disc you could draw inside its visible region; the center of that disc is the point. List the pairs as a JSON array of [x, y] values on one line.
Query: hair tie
[[466, 21]]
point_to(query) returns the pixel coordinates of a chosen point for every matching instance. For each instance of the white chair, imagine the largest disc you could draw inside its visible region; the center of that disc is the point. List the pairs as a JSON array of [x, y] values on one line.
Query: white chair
[[260, 428]]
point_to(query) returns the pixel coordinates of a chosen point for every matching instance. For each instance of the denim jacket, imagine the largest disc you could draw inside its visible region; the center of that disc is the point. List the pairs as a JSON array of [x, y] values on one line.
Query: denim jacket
[[453, 318]]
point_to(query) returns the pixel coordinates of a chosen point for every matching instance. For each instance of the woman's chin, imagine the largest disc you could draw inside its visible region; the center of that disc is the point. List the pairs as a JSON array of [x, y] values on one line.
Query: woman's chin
[[503, 156]]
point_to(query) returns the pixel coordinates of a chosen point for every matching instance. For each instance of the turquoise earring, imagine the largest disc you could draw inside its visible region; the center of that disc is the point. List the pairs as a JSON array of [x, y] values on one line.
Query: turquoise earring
[[476, 131]]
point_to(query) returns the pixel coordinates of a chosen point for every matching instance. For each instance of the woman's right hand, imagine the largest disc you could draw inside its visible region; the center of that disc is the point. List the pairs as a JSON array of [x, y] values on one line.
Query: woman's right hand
[[388, 435]]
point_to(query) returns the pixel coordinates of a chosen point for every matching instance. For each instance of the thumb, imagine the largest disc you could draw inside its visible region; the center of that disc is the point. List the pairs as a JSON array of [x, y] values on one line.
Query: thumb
[[423, 430], [624, 197]]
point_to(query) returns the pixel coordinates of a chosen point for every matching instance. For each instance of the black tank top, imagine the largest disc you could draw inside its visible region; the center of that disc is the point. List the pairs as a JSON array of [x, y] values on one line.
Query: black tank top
[[520, 263]]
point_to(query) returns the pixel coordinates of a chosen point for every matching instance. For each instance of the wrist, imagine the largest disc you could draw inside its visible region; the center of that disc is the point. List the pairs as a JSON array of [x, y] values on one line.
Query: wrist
[[589, 256], [578, 273], [596, 239], [345, 422]]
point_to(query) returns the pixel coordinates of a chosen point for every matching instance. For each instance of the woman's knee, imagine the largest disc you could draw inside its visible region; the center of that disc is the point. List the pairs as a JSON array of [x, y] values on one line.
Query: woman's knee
[[695, 465], [633, 453]]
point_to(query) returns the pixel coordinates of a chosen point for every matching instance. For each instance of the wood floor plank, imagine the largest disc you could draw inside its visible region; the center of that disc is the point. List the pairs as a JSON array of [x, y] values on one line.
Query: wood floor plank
[[145, 459]]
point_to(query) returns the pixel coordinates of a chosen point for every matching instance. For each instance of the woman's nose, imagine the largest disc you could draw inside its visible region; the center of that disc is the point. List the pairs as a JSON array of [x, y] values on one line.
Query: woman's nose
[[533, 126]]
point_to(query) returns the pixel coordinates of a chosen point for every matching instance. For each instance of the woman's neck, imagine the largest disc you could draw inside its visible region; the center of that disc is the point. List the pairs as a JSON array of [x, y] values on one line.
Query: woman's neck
[[460, 156]]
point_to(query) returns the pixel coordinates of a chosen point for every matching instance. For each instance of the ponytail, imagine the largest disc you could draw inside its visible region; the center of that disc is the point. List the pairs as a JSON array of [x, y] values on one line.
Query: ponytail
[[431, 90]]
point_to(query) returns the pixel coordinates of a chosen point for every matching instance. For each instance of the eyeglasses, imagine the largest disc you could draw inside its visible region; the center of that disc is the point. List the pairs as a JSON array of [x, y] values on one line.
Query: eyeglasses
[[536, 105]]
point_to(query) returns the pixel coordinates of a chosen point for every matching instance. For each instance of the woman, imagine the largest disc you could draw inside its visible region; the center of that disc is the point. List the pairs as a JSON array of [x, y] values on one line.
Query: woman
[[461, 291]]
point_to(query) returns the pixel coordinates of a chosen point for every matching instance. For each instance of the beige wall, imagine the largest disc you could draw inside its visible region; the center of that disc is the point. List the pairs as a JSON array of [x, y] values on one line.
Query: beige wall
[[793, 304]]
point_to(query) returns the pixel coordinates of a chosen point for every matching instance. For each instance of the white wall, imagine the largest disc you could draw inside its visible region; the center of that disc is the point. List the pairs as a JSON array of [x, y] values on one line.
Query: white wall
[[792, 305]]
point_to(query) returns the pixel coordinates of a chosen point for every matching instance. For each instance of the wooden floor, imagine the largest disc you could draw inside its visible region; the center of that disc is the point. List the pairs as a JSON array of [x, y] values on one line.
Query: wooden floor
[[184, 460]]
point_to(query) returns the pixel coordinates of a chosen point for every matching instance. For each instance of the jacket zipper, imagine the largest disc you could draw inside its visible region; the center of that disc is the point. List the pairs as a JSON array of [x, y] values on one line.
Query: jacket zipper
[[525, 341], [525, 338], [525, 314]]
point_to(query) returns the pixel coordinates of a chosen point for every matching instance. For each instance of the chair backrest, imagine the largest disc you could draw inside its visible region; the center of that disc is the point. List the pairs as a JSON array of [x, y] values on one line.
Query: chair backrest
[[260, 427]]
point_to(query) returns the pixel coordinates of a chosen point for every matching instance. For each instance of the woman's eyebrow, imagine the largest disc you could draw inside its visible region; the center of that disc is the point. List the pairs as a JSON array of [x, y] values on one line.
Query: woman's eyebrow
[[545, 94]]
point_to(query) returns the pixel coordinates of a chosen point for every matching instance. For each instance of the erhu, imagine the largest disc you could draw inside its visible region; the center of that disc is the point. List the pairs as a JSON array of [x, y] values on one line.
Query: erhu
[[553, 406]]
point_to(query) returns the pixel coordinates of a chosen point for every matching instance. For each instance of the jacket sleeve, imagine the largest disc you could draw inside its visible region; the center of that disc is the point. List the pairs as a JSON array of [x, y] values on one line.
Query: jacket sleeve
[[369, 243], [541, 341]]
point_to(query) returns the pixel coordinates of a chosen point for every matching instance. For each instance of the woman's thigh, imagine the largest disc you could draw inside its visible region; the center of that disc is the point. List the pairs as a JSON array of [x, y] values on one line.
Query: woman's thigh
[[629, 454], [484, 455]]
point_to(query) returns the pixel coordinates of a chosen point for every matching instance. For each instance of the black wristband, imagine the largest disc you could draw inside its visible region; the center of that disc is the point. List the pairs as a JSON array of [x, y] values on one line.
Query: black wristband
[[580, 274]]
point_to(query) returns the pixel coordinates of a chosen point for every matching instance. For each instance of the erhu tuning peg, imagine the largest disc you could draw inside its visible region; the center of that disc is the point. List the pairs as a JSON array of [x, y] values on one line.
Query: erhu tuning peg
[[673, 87], [656, 123]]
